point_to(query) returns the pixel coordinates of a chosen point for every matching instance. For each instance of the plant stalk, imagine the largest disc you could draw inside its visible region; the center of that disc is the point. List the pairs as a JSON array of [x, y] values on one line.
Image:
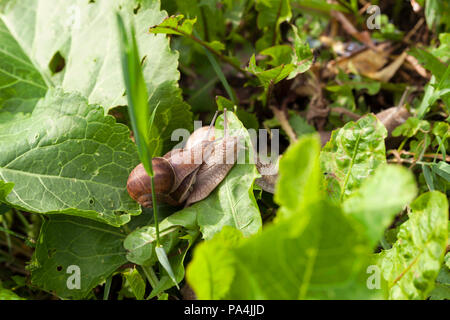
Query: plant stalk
[[155, 211]]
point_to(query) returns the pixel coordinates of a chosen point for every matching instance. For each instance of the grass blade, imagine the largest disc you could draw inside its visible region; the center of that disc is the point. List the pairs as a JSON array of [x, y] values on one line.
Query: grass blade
[[137, 95], [162, 257]]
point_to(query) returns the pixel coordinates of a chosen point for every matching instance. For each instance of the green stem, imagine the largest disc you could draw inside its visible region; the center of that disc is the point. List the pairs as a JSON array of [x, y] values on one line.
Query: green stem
[[8, 238], [22, 219], [155, 211], [151, 276], [204, 44], [9, 232], [107, 288]]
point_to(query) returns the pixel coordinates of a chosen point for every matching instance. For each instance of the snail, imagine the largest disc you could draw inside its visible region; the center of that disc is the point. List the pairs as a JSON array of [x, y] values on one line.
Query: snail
[[186, 175]]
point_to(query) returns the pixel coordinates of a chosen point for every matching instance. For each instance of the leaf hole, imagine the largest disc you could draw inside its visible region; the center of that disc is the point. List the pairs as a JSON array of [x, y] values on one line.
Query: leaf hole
[[59, 268], [136, 10], [143, 60], [51, 252], [57, 63]]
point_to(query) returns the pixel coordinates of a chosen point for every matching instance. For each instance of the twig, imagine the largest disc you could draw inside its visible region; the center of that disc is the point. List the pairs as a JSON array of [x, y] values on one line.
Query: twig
[[413, 30], [280, 115], [426, 155], [343, 111]]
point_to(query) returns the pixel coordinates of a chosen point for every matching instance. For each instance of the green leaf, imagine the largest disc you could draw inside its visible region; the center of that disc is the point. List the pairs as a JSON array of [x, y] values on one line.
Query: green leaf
[[141, 244], [315, 252], [135, 282], [430, 62], [95, 73], [412, 265], [224, 103], [279, 54], [321, 7], [162, 258], [64, 241], [318, 254], [271, 13], [76, 159], [380, 197], [411, 127], [21, 83], [442, 285], [300, 178], [175, 25], [303, 56], [272, 76], [300, 125], [6, 294], [352, 154], [300, 55], [443, 169], [6, 116], [176, 260], [441, 52], [232, 203], [439, 85], [357, 82], [5, 189], [436, 12], [211, 272]]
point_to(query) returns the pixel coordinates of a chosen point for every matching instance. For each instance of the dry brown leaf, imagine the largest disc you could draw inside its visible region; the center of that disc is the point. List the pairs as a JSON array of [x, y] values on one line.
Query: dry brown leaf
[[367, 61], [388, 72]]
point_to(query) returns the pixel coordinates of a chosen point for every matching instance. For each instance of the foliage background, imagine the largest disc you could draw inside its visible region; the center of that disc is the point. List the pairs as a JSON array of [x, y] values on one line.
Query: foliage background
[[364, 121]]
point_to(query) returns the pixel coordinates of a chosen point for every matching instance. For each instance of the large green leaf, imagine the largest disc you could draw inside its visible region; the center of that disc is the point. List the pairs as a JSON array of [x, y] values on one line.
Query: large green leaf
[[21, 83], [380, 198], [319, 254], [316, 252], [86, 47], [232, 203], [412, 265], [352, 154], [212, 271], [64, 241], [299, 177], [69, 158]]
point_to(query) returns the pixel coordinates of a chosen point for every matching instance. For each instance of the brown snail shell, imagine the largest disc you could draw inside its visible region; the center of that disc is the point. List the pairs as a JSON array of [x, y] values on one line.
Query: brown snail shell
[[186, 175], [139, 184], [200, 135]]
